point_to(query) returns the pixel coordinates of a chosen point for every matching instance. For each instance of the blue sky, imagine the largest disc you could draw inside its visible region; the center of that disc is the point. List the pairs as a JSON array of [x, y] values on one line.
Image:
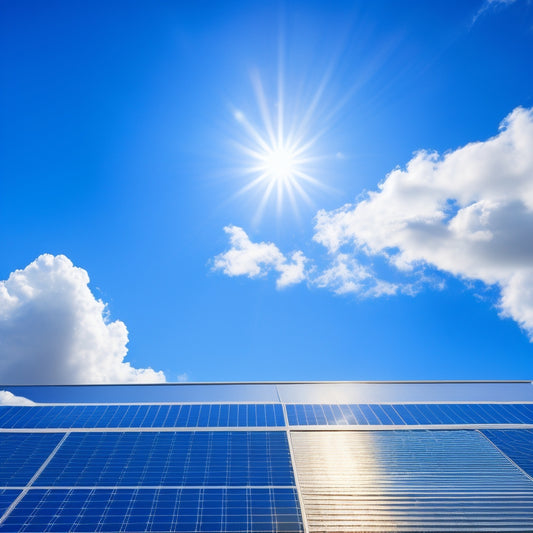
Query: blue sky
[[123, 148]]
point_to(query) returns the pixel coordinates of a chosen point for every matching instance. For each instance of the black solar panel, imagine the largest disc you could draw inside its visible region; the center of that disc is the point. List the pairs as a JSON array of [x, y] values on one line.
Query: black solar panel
[[408, 414], [516, 444], [21, 455], [185, 510], [126, 416], [241, 458]]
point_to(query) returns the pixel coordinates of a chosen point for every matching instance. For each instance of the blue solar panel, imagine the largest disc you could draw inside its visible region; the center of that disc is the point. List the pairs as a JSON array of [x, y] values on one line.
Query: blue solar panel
[[517, 444], [7, 497], [408, 414], [122, 416], [171, 458], [259, 415], [185, 510], [21, 455]]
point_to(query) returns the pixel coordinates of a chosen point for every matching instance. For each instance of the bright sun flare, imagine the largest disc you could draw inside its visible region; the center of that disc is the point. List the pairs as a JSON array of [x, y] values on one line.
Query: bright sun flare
[[277, 154], [280, 163]]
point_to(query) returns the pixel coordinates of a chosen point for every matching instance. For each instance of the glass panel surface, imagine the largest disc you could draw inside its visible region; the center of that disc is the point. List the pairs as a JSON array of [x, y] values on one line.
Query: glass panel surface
[[171, 458], [335, 392], [184, 510], [401, 480], [125, 416], [168, 392], [22, 454], [516, 444], [410, 414], [394, 392], [7, 497]]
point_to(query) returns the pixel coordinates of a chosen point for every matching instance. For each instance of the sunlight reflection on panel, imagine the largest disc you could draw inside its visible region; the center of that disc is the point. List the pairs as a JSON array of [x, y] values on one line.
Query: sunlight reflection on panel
[[409, 481]]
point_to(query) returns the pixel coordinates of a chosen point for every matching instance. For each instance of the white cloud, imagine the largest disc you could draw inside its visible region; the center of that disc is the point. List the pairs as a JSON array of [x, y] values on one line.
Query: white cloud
[[346, 275], [53, 330], [469, 213], [246, 258], [8, 398]]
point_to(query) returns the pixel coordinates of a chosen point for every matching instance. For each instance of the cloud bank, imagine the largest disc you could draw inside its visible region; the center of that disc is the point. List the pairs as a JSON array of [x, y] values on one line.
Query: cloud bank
[[53, 330], [468, 212]]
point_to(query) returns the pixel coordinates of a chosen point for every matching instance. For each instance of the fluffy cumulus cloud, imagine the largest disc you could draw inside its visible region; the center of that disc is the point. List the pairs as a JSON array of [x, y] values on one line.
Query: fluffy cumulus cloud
[[53, 330], [469, 213], [246, 258]]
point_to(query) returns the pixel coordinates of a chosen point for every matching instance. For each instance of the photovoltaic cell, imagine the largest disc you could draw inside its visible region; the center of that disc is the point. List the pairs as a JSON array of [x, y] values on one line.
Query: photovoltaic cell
[[516, 444], [21, 455], [184, 510], [138, 415], [171, 458], [408, 414], [7, 497]]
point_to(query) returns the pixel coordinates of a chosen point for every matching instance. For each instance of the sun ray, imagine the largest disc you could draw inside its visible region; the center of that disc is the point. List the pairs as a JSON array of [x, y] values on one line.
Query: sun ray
[[266, 195], [263, 108]]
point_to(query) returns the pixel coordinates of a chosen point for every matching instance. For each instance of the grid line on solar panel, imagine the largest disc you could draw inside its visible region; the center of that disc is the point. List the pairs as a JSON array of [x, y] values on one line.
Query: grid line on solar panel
[[22, 454], [171, 458], [408, 414], [517, 444], [187, 510], [141, 415]]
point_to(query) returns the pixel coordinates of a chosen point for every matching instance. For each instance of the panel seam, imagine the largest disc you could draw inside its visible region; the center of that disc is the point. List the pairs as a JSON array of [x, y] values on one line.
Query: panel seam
[[505, 455], [10, 509], [295, 473]]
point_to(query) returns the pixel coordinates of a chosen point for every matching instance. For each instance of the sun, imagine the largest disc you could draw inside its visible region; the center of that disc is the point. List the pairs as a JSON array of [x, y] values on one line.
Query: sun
[[276, 155], [280, 163]]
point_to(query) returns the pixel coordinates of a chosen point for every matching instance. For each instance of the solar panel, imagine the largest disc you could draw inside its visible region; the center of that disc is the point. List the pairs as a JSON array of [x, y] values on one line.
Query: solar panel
[[408, 414], [244, 458], [21, 455], [7, 497], [417, 480], [186, 510], [138, 415], [228, 467], [516, 444], [259, 415]]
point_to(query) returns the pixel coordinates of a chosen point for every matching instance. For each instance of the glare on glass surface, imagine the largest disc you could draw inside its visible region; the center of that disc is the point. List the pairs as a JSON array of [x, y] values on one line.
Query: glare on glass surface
[[409, 481]]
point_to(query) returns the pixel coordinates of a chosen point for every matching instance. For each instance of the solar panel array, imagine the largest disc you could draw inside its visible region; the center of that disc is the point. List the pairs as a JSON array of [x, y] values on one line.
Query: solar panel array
[[141, 459], [409, 414], [142, 416], [265, 467], [259, 415], [185, 510]]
